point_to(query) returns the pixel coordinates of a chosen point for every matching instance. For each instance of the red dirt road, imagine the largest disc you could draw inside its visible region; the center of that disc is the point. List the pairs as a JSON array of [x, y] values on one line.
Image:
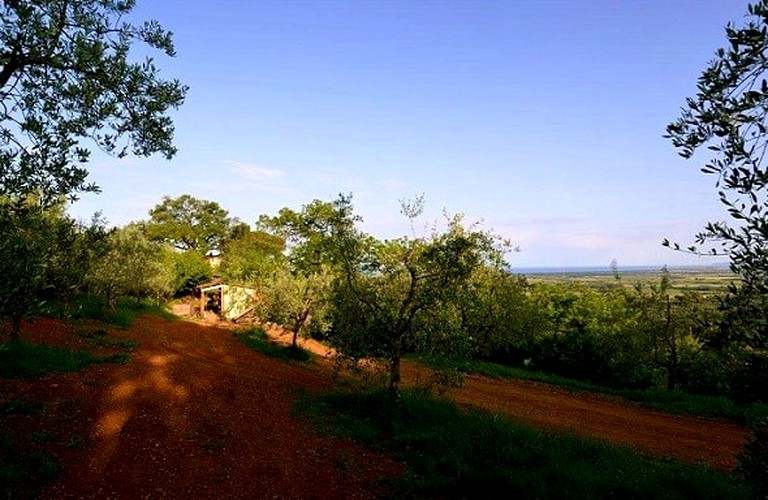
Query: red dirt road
[[710, 441], [196, 414]]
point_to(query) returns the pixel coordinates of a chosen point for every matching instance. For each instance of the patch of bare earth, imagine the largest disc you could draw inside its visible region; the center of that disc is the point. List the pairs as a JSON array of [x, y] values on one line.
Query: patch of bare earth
[[194, 414]]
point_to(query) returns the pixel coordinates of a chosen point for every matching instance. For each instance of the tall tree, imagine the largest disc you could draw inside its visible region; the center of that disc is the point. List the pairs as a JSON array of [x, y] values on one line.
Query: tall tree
[[295, 300], [43, 256], [729, 116], [68, 81], [313, 234], [296, 295], [250, 255], [132, 266], [390, 290], [189, 223]]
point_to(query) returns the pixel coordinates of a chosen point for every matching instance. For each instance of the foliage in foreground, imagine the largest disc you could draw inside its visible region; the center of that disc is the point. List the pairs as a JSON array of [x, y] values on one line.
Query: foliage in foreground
[[754, 461], [728, 117], [122, 316], [257, 339], [471, 454], [71, 81]]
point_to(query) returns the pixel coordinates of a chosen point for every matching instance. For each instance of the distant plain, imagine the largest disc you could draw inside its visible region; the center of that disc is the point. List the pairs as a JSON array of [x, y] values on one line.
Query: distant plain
[[705, 279]]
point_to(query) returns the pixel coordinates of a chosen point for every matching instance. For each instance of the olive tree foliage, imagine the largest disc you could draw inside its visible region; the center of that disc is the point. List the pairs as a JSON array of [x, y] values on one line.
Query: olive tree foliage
[[400, 295], [44, 256], [189, 224], [295, 291], [499, 316], [728, 116], [190, 269], [249, 256], [297, 301], [676, 327], [132, 265], [591, 334], [69, 81], [314, 233]]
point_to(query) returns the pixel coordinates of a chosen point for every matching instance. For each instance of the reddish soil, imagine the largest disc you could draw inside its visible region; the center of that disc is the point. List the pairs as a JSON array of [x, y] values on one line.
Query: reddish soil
[[196, 414], [708, 441]]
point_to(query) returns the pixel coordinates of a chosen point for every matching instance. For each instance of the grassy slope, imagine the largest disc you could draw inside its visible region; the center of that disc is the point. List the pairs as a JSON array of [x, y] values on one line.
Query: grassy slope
[[473, 454]]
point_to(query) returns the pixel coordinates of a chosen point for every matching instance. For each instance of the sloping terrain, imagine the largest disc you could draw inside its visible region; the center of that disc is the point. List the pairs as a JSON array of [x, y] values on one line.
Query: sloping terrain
[[702, 440], [193, 414], [196, 414]]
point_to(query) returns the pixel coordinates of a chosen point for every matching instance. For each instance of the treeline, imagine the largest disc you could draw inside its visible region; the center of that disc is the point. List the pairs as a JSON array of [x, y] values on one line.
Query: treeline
[[448, 296]]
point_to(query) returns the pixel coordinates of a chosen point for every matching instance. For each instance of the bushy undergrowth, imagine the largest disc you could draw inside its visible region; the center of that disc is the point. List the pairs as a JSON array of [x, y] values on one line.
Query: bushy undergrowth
[[754, 461], [473, 454], [95, 307], [257, 339]]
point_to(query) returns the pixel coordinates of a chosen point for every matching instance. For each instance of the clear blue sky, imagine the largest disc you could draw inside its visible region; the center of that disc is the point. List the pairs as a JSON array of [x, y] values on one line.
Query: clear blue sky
[[542, 118]]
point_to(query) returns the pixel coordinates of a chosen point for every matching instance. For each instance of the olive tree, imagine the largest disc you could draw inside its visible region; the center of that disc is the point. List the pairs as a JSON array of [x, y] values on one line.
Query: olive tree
[[295, 292], [728, 116], [676, 326], [297, 301], [496, 311], [44, 256], [314, 233], [132, 266], [388, 291], [70, 81]]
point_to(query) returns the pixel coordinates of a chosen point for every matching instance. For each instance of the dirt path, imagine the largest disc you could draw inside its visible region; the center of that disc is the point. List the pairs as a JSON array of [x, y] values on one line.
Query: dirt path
[[196, 414], [710, 441]]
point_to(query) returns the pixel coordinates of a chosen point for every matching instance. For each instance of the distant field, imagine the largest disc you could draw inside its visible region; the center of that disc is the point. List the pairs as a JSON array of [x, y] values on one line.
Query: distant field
[[701, 279]]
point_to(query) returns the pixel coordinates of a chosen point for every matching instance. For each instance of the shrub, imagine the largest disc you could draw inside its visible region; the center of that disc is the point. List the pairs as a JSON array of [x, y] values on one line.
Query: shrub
[[754, 462]]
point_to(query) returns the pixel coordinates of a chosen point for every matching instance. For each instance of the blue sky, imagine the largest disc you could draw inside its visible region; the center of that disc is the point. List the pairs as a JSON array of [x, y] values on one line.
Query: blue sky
[[544, 119]]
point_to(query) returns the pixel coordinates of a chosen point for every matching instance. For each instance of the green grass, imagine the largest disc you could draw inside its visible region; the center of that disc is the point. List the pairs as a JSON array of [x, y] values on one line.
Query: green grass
[[28, 360], [124, 313], [24, 464], [451, 453], [257, 339], [678, 402]]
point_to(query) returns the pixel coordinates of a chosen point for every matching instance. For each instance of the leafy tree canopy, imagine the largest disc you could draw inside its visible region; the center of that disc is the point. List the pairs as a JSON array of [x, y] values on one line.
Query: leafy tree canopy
[[312, 234], [44, 255], [132, 265], [402, 294], [68, 81], [728, 115], [189, 224], [250, 255]]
